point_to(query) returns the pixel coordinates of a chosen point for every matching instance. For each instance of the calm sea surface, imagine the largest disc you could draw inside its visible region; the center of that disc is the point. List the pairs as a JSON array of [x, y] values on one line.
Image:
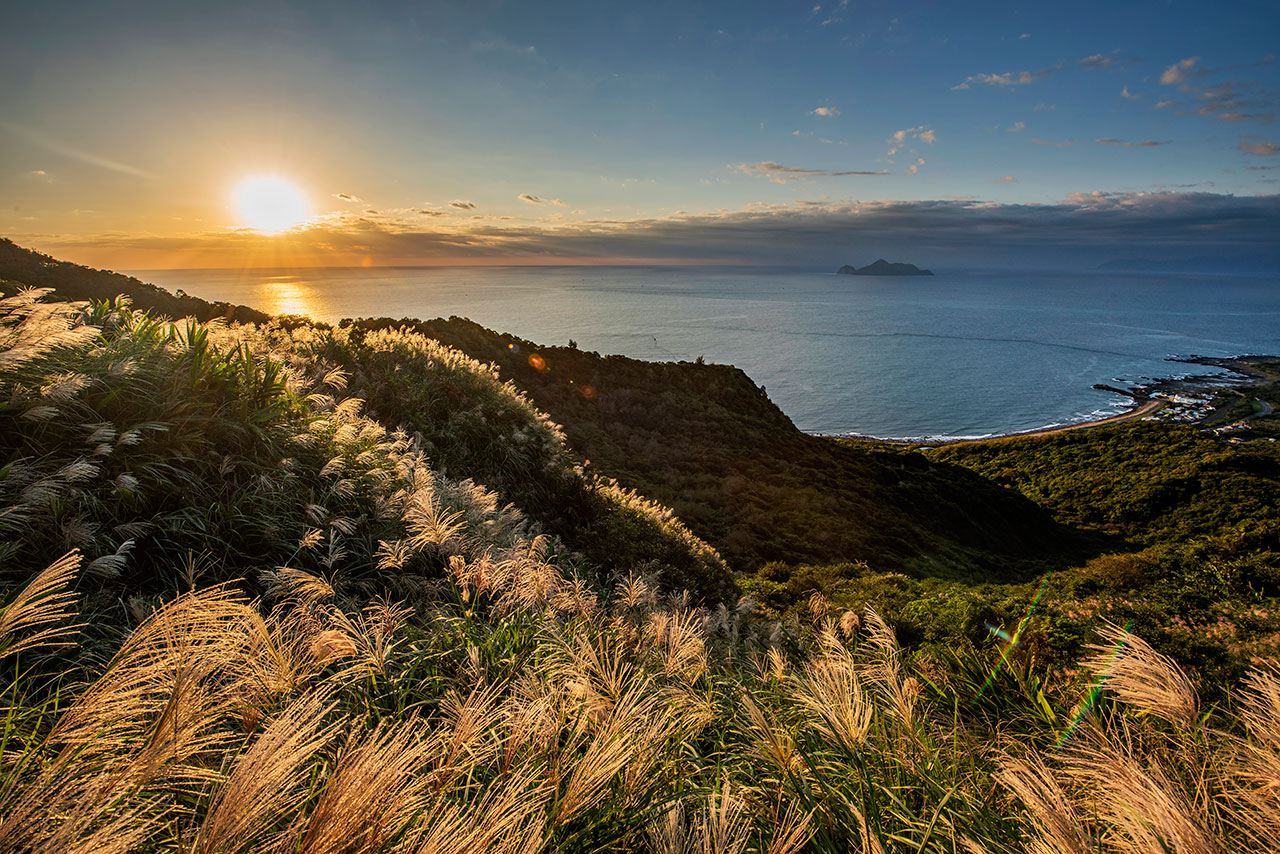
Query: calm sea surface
[[964, 354]]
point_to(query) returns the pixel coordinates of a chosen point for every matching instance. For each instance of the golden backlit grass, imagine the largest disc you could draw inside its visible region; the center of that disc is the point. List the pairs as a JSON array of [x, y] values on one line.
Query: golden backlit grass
[[406, 664]]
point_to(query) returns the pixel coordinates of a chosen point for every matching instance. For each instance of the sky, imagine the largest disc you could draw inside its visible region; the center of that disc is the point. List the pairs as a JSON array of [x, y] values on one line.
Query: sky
[[804, 134]]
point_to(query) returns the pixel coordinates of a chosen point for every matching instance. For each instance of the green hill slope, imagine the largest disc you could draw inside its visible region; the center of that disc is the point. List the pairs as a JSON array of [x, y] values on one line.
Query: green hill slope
[[708, 441]]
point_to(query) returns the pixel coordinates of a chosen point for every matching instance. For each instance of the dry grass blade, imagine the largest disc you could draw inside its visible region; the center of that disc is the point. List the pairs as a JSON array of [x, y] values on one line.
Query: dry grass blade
[[899, 693], [1251, 797], [792, 833], [265, 784], [45, 601], [284, 582], [1144, 809], [374, 792], [1260, 704], [1051, 812], [668, 832], [724, 825], [832, 694], [1142, 678], [627, 739], [186, 642]]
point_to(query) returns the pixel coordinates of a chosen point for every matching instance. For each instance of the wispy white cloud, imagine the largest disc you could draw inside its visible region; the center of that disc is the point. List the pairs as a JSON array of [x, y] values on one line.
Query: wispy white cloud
[[1146, 143], [1017, 127], [536, 200], [347, 197], [824, 111], [1179, 71], [781, 174], [922, 132], [1125, 93], [1007, 179], [87, 157], [463, 205], [1008, 78], [1262, 148]]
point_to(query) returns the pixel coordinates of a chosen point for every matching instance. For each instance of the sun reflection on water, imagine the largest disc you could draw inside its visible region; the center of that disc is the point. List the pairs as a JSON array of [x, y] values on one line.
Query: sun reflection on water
[[286, 295]]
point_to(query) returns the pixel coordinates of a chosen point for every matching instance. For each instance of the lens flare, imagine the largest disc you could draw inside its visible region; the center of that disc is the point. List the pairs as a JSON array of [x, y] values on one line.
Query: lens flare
[[1091, 699], [1011, 640]]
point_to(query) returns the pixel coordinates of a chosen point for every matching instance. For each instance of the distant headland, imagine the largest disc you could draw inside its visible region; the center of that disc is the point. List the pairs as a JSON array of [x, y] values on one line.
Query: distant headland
[[884, 268]]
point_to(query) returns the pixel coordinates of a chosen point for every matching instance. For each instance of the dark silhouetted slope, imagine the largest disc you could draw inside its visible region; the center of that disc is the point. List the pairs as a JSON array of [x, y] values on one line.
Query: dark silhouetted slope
[[708, 441], [76, 282]]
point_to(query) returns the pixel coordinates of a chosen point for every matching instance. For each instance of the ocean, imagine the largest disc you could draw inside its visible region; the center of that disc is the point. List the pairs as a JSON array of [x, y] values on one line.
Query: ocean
[[961, 354]]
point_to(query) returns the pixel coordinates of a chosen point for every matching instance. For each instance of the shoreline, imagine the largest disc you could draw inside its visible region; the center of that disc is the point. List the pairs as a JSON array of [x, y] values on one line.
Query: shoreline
[[1149, 399]]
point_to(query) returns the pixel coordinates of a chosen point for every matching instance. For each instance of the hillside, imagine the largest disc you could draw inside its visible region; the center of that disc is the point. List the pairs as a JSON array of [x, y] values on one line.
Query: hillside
[[73, 281], [708, 441], [702, 439], [243, 610], [401, 664]]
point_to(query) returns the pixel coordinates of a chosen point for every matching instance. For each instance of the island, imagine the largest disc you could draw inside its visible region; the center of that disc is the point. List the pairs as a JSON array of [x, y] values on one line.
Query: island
[[884, 268]]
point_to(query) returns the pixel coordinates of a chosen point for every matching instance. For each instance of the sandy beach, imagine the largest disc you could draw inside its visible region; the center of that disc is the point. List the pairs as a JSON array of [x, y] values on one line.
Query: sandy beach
[[1142, 410]]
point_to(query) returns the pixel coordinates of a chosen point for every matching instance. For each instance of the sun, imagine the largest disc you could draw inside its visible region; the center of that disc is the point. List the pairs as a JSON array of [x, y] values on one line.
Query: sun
[[270, 204]]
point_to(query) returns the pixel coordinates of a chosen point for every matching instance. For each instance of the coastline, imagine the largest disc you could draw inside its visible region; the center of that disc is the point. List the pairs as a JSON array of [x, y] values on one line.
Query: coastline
[[1141, 409], [1184, 398]]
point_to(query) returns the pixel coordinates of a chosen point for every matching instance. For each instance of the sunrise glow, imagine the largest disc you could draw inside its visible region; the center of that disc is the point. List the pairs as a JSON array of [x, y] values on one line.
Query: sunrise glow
[[269, 204]]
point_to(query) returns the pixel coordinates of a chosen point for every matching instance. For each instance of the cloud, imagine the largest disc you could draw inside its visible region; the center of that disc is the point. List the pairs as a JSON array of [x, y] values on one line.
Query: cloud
[[1262, 149], [1078, 232], [1098, 60], [462, 206], [347, 197], [825, 111], [39, 172], [1125, 93], [73, 153], [1024, 36], [1008, 78], [1179, 71], [501, 45], [429, 212], [1228, 101], [1146, 143], [782, 174], [1016, 127], [922, 132], [1007, 179], [536, 200]]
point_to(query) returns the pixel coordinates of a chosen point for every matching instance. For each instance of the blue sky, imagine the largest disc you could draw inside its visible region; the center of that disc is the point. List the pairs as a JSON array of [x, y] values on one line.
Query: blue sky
[[437, 132]]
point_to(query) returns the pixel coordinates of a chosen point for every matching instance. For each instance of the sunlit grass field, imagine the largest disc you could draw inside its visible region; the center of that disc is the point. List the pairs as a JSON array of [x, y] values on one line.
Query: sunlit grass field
[[245, 616]]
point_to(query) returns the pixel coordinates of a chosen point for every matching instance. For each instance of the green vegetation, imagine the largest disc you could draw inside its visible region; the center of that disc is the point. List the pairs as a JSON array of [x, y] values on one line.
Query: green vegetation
[[708, 442], [227, 446], [282, 587]]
